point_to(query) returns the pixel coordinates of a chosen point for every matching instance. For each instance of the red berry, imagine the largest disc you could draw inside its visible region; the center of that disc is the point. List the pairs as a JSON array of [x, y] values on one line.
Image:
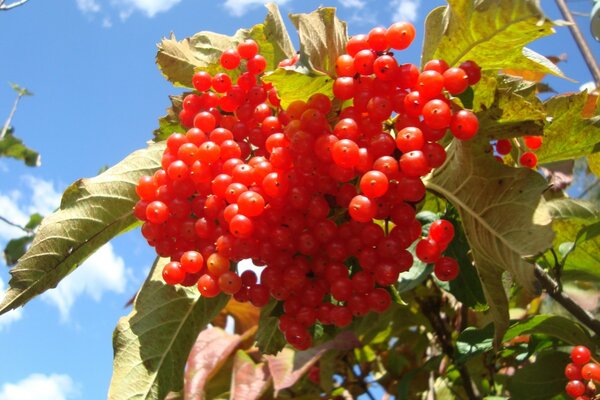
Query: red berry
[[581, 355]]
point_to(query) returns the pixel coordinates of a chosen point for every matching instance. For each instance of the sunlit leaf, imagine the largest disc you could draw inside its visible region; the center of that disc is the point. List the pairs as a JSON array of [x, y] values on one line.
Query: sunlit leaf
[[179, 60], [92, 211], [492, 33], [323, 38], [485, 192], [569, 134], [152, 343], [298, 84]]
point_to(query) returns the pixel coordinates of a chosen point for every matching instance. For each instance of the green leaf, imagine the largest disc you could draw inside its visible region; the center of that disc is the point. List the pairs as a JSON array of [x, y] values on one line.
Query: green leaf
[[210, 351], [13, 147], [21, 91], [179, 60], [92, 211], [585, 211], [269, 338], [553, 325], [496, 204], [323, 38], [541, 380], [577, 227], [582, 255], [492, 33], [568, 134], [249, 380], [152, 343], [15, 249], [467, 286], [515, 111], [473, 341], [169, 123], [298, 84]]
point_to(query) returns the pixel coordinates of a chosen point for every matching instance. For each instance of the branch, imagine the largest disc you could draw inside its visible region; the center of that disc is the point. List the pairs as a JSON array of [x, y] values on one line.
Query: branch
[[554, 290], [360, 380], [586, 52], [5, 7], [432, 312], [26, 230], [10, 116]]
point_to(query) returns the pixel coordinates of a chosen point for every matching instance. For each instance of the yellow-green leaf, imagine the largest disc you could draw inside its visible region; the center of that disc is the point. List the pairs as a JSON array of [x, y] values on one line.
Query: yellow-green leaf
[[92, 212], [179, 60], [152, 343], [568, 133], [298, 84], [492, 33], [323, 38], [496, 204]]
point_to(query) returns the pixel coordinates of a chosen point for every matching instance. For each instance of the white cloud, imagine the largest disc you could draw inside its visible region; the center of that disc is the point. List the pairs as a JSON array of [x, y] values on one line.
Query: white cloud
[[148, 7], [40, 387], [88, 6], [103, 272], [9, 317], [45, 198], [405, 10], [360, 4], [106, 22], [237, 8], [10, 209]]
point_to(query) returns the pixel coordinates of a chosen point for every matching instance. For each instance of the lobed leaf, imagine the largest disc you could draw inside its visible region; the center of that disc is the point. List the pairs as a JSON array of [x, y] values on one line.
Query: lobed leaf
[[496, 204], [210, 351], [323, 38], [169, 123], [288, 366], [92, 211], [249, 380], [492, 33], [179, 60], [153, 342], [298, 84], [569, 134], [515, 111]]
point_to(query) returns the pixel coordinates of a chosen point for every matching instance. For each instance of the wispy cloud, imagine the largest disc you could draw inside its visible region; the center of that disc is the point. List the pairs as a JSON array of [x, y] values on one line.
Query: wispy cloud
[[147, 7], [39, 386], [359, 4], [405, 10], [88, 6], [103, 272], [237, 8]]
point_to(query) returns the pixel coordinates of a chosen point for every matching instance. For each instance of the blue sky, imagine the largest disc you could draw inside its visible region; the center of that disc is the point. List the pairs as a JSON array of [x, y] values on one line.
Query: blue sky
[[98, 95]]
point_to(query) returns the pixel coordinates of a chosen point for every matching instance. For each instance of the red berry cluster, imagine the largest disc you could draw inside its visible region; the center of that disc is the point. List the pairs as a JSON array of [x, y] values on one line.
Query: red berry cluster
[[581, 373], [321, 198], [527, 158]]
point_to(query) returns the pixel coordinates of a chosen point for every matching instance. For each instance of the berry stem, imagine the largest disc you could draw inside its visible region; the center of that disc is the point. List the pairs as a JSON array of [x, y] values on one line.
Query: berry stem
[[553, 289]]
